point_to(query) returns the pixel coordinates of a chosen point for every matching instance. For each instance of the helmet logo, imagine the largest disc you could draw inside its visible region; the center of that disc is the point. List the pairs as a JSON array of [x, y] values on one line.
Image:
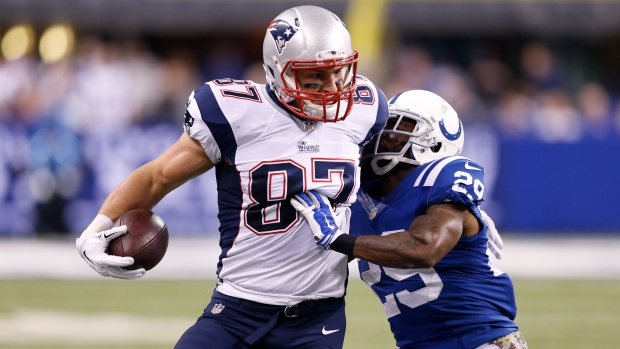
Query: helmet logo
[[448, 135], [281, 32]]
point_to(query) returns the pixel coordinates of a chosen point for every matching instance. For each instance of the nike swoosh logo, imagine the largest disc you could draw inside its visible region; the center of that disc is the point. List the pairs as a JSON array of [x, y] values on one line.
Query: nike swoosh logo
[[325, 332], [469, 167], [105, 236], [88, 259]]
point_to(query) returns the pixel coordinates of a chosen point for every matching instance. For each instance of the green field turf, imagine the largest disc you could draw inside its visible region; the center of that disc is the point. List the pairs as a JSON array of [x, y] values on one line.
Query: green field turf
[[152, 314]]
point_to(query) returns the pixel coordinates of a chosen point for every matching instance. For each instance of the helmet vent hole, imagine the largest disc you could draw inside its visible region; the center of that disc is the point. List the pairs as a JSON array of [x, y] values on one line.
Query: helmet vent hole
[[436, 148], [271, 71], [297, 22]]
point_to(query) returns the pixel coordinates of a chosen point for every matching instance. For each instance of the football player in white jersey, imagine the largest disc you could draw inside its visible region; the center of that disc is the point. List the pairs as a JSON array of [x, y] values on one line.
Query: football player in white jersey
[[421, 239], [302, 131]]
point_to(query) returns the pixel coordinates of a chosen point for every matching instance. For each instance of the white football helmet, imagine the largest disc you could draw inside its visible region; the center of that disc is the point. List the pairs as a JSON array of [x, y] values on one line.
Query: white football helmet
[[309, 37], [438, 132]]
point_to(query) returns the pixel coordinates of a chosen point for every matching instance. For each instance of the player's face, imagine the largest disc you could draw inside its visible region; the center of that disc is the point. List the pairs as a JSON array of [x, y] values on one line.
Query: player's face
[[394, 142], [322, 80]]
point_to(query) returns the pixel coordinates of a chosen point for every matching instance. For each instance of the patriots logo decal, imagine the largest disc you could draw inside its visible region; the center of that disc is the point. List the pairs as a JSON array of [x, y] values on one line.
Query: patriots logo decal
[[281, 32], [189, 122]]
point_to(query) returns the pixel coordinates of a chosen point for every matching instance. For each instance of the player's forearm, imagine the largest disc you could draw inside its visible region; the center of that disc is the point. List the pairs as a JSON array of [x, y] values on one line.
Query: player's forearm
[[141, 189], [429, 238], [384, 251], [392, 253]]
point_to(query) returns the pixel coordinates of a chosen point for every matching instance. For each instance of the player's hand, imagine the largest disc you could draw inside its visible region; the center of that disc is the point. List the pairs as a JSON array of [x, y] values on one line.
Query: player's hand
[[92, 246], [318, 213], [495, 243]]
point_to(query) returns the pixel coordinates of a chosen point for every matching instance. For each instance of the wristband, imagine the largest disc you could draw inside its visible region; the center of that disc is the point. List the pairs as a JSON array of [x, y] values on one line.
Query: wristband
[[100, 223], [344, 244]]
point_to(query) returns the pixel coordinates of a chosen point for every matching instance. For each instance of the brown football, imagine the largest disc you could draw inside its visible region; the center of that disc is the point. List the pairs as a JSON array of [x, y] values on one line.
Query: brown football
[[146, 239]]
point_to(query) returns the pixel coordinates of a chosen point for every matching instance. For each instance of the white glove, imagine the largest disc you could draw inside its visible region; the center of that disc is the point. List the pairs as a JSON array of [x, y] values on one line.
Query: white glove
[[495, 243], [93, 244], [318, 213]]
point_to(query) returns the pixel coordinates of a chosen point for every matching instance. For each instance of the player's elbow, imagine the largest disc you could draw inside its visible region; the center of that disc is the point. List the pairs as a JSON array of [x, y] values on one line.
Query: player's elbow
[[413, 263], [426, 262], [409, 259], [428, 250], [423, 257]]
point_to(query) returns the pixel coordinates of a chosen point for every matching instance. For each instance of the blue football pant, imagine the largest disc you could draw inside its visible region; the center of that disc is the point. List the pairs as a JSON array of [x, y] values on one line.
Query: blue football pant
[[234, 323]]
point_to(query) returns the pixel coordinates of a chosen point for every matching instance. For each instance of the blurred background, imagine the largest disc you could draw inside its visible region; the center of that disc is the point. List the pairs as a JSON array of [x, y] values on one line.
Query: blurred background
[[90, 90]]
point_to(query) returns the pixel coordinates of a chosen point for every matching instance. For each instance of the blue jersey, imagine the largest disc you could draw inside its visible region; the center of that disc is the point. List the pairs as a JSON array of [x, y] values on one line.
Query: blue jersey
[[461, 302]]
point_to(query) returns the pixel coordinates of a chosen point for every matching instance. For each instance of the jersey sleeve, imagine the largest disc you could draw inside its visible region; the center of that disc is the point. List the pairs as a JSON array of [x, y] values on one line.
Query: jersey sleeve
[[382, 111], [195, 124], [458, 180]]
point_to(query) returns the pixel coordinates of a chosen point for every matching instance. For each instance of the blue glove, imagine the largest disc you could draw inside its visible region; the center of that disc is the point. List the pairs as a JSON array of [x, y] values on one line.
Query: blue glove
[[318, 213]]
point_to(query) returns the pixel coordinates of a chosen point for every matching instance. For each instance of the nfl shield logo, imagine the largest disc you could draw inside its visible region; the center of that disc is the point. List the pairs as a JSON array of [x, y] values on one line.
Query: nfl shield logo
[[308, 125], [373, 213], [217, 308]]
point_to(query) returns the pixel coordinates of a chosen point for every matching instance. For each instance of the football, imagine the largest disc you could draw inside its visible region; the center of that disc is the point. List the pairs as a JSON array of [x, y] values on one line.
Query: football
[[146, 239]]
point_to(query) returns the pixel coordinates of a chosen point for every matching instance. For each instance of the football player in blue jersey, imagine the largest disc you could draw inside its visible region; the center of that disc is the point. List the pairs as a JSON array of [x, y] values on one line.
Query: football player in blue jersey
[[420, 236], [303, 130]]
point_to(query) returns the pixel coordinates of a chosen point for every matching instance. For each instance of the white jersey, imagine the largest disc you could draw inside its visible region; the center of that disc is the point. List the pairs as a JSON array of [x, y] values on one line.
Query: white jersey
[[263, 156]]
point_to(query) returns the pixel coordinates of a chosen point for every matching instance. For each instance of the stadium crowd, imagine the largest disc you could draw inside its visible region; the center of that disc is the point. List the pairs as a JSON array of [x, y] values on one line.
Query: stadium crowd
[[62, 124]]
